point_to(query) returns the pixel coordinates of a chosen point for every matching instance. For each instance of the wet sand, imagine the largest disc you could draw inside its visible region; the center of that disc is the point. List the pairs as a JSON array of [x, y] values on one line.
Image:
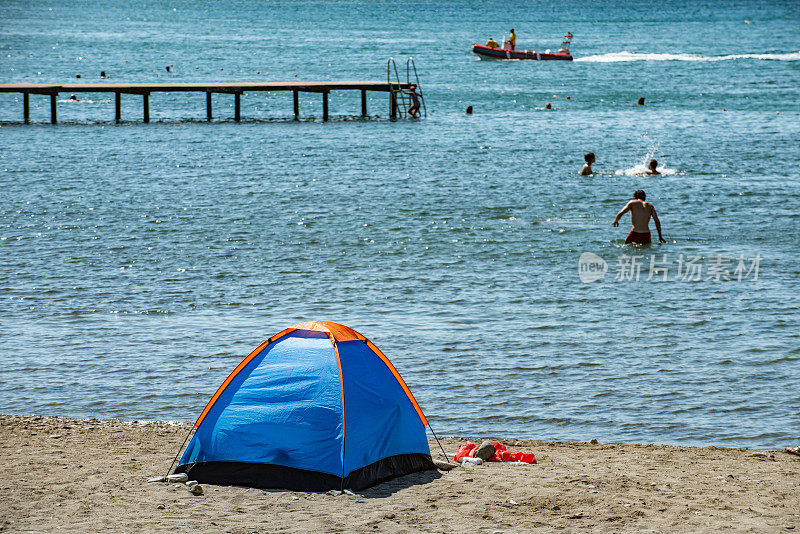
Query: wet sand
[[60, 474]]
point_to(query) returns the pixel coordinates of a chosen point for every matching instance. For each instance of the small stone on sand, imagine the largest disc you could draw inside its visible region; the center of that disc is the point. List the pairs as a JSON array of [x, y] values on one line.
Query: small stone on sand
[[485, 451]]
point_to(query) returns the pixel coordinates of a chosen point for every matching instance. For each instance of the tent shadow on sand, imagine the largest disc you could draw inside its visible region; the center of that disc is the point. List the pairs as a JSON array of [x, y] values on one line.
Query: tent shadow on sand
[[390, 487]]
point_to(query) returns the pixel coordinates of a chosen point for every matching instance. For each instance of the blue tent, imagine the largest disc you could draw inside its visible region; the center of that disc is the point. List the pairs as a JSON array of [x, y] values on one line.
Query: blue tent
[[315, 407]]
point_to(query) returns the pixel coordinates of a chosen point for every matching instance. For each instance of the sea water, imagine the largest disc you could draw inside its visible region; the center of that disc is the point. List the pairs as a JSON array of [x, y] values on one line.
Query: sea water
[[140, 262]]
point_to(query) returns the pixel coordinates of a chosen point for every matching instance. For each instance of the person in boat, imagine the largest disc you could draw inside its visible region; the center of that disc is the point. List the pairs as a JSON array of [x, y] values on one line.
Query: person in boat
[[512, 39], [491, 43], [586, 170], [641, 213], [413, 109], [565, 44]]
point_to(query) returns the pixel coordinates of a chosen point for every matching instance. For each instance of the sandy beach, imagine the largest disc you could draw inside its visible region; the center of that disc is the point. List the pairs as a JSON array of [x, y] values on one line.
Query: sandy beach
[[72, 475]]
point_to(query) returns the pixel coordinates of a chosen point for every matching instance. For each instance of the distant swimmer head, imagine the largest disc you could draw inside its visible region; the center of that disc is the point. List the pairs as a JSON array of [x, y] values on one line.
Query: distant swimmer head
[[469, 110], [639, 194], [73, 97], [102, 74], [652, 165], [77, 75], [589, 157], [640, 102], [548, 106]]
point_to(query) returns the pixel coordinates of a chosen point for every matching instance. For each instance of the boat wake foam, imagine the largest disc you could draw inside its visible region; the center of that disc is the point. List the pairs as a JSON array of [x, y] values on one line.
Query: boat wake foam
[[616, 57]]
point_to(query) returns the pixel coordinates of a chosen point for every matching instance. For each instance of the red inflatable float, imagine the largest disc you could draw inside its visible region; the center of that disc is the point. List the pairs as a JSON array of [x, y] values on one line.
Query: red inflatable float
[[501, 454]]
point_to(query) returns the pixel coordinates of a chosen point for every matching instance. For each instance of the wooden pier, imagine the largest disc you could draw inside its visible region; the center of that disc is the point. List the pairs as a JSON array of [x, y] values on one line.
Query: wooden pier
[[237, 89]]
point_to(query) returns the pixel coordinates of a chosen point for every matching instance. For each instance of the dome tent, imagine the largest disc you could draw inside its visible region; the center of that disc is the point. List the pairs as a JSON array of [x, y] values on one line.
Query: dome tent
[[313, 408]]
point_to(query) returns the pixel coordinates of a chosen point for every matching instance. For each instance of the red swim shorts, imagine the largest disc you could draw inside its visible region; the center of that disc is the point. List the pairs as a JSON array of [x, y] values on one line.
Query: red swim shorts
[[641, 238]]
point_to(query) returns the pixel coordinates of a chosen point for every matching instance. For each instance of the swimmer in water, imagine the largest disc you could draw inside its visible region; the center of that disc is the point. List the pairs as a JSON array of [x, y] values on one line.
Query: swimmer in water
[[586, 170], [74, 98], [641, 212], [651, 167]]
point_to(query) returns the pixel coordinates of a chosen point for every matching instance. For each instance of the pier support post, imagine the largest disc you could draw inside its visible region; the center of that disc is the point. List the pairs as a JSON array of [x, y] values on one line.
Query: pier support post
[[208, 105], [53, 114], [392, 104], [146, 104], [296, 104], [237, 102], [26, 107], [363, 102], [117, 107], [324, 106]]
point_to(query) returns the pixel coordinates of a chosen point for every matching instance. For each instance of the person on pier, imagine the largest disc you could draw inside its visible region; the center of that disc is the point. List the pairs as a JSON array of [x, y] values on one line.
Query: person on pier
[[413, 109]]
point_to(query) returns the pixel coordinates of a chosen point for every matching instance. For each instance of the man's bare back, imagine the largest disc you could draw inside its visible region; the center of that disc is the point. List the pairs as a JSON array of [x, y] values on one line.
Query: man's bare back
[[641, 213]]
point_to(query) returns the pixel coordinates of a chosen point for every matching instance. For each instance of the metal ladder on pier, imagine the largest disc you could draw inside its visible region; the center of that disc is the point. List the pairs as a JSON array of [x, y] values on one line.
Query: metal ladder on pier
[[399, 100]]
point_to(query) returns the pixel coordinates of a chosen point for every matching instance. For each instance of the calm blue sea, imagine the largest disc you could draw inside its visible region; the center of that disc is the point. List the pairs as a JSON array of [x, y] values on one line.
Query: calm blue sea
[[140, 262]]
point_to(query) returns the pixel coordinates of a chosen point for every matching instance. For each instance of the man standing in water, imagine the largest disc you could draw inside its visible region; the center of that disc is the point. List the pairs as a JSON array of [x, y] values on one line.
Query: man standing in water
[[641, 212]]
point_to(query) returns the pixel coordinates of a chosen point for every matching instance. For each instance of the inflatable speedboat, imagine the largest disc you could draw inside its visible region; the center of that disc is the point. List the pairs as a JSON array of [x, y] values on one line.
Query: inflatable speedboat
[[488, 52]]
